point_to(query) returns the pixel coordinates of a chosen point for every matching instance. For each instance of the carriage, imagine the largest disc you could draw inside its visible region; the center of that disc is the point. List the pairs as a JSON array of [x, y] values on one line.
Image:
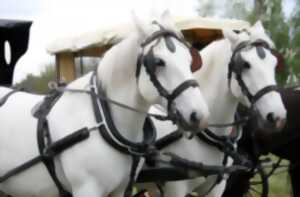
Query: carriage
[[14, 36], [198, 31]]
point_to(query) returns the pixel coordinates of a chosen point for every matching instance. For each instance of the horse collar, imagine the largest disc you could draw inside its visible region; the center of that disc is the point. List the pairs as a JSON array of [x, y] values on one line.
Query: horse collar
[[109, 131]]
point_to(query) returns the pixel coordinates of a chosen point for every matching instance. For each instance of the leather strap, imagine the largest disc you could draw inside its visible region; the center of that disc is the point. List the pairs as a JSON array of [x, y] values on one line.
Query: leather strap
[[44, 141], [109, 131], [5, 98], [181, 88], [43, 133], [264, 91]]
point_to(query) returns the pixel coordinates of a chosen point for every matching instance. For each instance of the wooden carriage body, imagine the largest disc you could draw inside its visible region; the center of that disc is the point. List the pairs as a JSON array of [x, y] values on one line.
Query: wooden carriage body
[[198, 31]]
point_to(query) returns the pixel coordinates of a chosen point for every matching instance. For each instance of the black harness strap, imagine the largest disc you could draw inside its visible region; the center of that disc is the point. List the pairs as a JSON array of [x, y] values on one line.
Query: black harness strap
[[264, 91], [224, 144], [168, 139], [43, 134], [181, 88], [5, 98], [113, 137], [21, 168], [44, 139]]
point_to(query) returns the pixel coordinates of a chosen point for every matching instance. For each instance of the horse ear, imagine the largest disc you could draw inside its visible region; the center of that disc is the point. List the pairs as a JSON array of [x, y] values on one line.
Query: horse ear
[[258, 26], [166, 17], [231, 36], [139, 25]]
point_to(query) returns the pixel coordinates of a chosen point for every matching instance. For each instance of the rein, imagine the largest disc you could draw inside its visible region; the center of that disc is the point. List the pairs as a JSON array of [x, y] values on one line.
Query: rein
[[103, 97]]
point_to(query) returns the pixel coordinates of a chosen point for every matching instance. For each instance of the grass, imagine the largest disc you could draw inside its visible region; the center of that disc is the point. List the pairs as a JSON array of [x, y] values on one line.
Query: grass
[[279, 182]]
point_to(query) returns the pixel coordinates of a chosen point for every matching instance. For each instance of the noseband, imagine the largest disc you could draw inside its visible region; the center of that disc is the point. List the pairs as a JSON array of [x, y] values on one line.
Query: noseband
[[150, 62], [237, 66]]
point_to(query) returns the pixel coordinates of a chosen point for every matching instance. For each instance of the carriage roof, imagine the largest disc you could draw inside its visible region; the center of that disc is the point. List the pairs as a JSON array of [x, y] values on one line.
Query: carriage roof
[[199, 31]]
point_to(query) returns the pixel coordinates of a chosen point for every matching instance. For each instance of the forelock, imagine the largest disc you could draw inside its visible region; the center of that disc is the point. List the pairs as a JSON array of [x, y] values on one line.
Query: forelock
[[255, 35]]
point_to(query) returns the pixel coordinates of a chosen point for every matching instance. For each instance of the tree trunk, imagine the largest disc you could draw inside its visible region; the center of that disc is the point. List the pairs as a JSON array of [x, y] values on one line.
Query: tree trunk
[[259, 8]]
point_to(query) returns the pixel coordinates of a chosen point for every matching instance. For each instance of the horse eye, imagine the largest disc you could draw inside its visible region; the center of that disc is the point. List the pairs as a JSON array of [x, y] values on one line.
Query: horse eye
[[246, 65], [159, 62]]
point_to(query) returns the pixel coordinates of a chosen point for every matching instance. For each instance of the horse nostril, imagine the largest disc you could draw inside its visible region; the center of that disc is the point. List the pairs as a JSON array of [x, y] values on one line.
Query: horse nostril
[[270, 117], [195, 118]]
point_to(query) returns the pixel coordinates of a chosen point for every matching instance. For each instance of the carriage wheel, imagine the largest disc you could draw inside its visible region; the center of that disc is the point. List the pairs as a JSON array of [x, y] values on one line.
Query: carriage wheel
[[259, 187]]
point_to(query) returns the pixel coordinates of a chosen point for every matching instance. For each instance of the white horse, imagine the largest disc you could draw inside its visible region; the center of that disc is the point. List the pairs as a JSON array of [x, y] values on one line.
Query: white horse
[[93, 168], [257, 73]]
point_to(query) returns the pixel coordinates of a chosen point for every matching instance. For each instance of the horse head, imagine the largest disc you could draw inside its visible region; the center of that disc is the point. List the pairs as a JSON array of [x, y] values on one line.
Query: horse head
[[164, 73], [252, 74]]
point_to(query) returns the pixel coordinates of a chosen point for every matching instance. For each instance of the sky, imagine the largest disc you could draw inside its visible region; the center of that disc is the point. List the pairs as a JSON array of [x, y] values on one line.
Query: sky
[[52, 13], [28, 9]]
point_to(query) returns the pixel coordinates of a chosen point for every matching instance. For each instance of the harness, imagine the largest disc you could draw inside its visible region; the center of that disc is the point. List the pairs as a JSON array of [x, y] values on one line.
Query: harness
[[226, 144], [5, 98], [48, 149], [150, 62], [237, 65]]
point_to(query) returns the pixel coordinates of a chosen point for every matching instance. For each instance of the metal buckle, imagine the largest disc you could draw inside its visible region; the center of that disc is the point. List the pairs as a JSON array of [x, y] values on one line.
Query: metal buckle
[[96, 126]]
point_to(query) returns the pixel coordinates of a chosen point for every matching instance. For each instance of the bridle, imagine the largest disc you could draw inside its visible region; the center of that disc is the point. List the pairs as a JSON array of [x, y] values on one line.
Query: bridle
[[150, 62], [237, 66]]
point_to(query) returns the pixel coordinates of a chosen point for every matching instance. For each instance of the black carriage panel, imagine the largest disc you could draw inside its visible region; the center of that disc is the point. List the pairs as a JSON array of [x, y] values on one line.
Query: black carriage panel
[[16, 33]]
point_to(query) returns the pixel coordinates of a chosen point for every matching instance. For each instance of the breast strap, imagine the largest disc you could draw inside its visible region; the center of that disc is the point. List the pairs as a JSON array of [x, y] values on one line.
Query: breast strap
[[44, 140]]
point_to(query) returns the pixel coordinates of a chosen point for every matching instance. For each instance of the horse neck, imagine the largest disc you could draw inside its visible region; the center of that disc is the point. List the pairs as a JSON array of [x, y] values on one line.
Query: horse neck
[[213, 81], [117, 75]]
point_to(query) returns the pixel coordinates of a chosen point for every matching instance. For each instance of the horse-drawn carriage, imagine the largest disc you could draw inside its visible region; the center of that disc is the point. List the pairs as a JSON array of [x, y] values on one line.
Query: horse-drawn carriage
[[199, 33], [13, 44]]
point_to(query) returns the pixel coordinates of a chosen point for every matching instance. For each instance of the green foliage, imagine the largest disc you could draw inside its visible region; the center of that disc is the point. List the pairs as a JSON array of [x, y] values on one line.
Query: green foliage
[[275, 23], [39, 84], [207, 8]]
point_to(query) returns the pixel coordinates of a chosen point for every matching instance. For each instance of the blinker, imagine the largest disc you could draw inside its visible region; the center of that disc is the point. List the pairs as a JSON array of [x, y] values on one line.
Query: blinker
[[196, 60], [260, 52], [170, 44], [151, 62]]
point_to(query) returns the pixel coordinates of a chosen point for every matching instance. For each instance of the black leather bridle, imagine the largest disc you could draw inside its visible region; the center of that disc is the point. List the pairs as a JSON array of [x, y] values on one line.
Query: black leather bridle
[[150, 62], [236, 66]]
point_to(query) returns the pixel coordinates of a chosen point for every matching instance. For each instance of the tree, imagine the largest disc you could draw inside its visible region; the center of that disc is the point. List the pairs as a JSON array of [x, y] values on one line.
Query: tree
[[270, 12], [39, 84]]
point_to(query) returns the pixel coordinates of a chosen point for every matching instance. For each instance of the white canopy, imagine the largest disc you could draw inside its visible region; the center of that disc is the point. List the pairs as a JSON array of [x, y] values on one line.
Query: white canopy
[[193, 28]]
